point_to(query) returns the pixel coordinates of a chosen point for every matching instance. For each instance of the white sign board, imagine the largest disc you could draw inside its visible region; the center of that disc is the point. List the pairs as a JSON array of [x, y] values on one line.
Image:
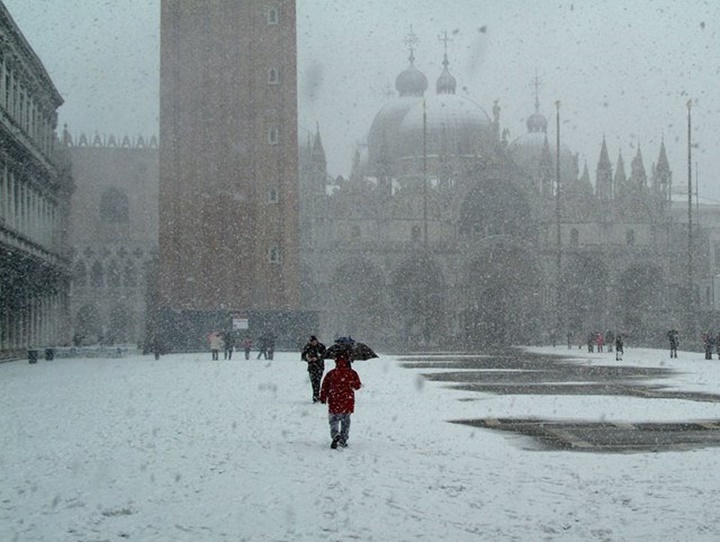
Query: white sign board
[[240, 323]]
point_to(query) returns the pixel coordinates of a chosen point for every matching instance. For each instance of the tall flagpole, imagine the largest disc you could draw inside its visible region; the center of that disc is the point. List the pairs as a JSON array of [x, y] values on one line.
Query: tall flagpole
[[425, 179], [691, 293], [558, 300]]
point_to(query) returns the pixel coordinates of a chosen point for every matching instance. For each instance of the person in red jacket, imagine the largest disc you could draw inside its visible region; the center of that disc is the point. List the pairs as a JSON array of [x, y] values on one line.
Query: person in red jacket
[[338, 390]]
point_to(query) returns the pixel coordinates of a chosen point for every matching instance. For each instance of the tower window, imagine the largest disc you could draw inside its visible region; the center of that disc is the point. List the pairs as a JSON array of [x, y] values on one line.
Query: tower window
[[97, 275], [574, 237], [415, 233], [272, 15], [273, 76], [274, 254], [272, 195], [273, 136], [630, 237]]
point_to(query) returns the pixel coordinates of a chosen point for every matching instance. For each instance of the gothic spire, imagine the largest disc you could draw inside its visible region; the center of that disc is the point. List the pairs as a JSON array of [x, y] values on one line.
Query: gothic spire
[[620, 176], [603, 174], [446, 83], [638, 176]]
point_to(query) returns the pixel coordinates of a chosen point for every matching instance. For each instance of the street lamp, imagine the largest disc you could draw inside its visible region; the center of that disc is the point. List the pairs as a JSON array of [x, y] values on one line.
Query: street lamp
[[558, 299], [691, 293]]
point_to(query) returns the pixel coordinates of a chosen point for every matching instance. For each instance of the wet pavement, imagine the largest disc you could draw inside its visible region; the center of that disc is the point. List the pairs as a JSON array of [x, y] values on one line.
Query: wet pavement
[[516, 372]]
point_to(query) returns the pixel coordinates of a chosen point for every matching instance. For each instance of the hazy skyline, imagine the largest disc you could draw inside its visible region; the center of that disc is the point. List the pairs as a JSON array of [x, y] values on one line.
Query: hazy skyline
[[620, 70]]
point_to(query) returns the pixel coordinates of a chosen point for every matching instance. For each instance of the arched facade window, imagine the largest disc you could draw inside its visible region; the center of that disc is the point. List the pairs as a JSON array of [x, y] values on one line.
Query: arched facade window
[[113, 274], [97, 275], [80, 274], [130, 275], [574, 237], [114, 207]]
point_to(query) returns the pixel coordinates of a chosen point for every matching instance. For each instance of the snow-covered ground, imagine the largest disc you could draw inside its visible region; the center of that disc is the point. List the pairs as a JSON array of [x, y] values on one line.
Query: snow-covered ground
[[189, 449]]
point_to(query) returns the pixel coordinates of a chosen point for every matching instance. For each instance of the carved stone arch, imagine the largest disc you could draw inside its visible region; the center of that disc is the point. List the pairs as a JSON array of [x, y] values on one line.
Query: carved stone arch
[[97, 275], [418, 299], [114, 275], [114, 206], [88, 324], [641, 288], [130, 274], [585, 295], [80, 274], [502, 295], [121, 325], [358, 303], [495, 205]]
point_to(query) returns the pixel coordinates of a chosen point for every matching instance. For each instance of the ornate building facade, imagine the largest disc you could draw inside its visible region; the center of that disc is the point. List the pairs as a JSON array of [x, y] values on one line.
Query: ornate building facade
[[229, 168], [447, 233], [114, 236], [35, 189]]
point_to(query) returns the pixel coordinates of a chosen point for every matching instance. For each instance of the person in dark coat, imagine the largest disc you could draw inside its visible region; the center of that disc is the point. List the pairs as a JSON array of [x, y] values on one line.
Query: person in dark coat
[[229, 344], [262, 346], [247, 346], [338, 391], [708, 342], [619, 347], [156, 346], [674, 338], [313, 355]]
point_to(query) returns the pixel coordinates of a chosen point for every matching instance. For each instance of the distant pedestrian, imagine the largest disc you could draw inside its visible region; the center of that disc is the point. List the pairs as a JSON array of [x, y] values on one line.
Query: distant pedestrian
[[262, 346], [674, 338], [708, 342], [312, 354], [591, 342], [247, 346], [270, 350], [609, 339], [600, 341], [338, 390], [229, 337], [216, 344], [156, 346], [619, 347]]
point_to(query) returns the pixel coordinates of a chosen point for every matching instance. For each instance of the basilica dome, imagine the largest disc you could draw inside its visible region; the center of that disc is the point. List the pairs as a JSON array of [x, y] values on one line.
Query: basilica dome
[[448, 124], [384, 138], [527, 150], [442, 124], [445, 123], [411, 81]]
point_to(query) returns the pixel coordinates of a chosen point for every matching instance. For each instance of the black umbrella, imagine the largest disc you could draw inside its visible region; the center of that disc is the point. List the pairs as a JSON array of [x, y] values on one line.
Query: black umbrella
[[351, 348]]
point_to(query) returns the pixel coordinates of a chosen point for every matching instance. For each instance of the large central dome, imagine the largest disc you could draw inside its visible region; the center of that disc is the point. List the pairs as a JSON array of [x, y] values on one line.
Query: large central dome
[[446, 124], [411, 124]]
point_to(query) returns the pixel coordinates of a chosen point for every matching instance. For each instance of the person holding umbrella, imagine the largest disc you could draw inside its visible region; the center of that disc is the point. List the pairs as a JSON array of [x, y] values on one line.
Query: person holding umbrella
[[313, 354]]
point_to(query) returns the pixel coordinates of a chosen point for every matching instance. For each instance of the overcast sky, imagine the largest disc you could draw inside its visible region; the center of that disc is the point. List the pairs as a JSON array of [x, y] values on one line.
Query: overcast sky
[[621, 69]]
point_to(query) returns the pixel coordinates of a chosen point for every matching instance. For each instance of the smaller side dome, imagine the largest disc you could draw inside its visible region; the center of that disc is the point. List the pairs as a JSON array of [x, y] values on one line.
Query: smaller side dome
[[537, 123], [411, 81], [446, 83]]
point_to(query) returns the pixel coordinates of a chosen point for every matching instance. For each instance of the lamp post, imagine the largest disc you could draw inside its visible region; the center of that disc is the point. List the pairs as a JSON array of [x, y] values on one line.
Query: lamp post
[[691, 293], [558, 300], [425, 179]]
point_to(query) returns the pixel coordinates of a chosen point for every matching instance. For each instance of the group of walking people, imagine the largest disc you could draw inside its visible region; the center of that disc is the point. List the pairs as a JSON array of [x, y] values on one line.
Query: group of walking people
[[226, 341], [337, 388]]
